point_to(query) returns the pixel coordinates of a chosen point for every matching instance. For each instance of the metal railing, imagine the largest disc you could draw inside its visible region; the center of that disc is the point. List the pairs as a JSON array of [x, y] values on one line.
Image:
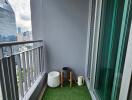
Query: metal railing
[[21, 64]]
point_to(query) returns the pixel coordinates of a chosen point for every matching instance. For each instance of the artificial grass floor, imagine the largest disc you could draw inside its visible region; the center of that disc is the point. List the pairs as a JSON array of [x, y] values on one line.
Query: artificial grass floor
[[67, 93]]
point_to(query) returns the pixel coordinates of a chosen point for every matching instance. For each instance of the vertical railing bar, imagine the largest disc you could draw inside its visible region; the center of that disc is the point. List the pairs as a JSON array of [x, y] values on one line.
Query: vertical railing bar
[[40, 59], [28, 69], [24, 72], [44, 56], [14, 77], [31, 67], [20, 75], [38, 66], [13, 74], [9, 76], [36, 62], [4, 87], [35, 74], [10, 72]]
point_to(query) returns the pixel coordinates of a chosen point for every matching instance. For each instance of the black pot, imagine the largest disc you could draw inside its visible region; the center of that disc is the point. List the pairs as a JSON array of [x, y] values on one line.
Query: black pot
[[66, 71]]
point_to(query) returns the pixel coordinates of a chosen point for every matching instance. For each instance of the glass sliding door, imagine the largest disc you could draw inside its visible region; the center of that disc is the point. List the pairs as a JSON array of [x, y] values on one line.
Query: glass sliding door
[[122, 47], [104, 71], [114, 20]]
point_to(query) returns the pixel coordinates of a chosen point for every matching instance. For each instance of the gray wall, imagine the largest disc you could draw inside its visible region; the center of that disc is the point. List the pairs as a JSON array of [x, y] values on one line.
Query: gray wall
[[63, 25]]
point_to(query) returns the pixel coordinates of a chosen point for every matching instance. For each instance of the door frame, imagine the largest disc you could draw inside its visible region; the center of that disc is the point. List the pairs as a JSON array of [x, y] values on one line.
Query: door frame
[[96, 29]]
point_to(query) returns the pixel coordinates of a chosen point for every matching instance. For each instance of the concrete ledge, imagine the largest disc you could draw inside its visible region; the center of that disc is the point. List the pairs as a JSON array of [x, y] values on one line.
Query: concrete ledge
[[90, 91], [39, 88], [42, 92], [35, 90]]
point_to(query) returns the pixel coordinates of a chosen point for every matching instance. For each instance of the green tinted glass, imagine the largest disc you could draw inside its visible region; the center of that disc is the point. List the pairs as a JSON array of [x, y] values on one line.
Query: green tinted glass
[[112, 45]]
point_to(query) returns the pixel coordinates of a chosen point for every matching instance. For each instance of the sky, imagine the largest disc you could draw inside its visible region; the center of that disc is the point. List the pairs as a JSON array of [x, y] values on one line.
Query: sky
[[22, 13]]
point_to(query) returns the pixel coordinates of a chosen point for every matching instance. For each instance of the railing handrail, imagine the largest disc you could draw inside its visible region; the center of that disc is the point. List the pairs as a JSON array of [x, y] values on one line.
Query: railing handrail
[[17, 43]]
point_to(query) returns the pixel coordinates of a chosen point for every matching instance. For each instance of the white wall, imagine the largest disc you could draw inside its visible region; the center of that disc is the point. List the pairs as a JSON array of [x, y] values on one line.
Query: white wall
[[63, 25]]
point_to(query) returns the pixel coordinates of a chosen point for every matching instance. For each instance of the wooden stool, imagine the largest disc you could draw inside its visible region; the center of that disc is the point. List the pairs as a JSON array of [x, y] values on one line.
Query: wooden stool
[[70, 78], [62, 78]]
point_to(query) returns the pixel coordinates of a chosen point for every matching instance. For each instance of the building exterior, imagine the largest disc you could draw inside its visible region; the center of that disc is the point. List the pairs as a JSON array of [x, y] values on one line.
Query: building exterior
[[19, 30], [24, 36], [2, 1], [7, 21]]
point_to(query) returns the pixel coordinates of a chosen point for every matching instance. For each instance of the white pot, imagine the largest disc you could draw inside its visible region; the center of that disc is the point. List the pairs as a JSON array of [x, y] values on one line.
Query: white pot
[[53, 79], [80, 80]]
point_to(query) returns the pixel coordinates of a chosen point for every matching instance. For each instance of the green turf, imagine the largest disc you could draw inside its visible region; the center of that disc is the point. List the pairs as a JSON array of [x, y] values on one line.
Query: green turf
[[67, 93]]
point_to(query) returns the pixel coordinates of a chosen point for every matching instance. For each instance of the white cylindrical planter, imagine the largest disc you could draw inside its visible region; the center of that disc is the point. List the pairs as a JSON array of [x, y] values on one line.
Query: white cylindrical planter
[[53, 79]]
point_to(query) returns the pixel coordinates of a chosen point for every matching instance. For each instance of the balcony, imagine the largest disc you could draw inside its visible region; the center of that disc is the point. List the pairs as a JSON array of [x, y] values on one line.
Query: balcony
[[23, 74], [92, 37]]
